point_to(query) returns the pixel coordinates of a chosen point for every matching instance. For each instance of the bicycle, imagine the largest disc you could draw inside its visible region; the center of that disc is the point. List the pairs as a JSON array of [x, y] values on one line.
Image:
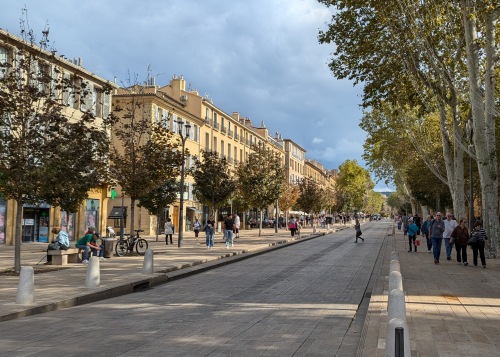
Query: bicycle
[[124, 246]]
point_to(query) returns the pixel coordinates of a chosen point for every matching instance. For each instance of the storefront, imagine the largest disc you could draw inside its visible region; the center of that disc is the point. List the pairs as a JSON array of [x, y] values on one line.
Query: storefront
[[35, 223]]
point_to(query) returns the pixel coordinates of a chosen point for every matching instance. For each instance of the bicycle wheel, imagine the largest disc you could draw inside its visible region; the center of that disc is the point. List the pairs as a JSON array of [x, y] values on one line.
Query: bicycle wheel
[[121, 248], [140, 246]]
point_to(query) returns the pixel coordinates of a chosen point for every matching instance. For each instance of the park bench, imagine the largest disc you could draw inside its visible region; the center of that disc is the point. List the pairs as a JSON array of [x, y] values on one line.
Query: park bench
[[63, 257]]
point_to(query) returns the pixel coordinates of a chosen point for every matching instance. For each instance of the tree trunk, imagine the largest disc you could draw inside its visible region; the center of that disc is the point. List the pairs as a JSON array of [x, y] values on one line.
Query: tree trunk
[[157, 226], [483, 119], [260, 223], [17, 241], [132, 215]]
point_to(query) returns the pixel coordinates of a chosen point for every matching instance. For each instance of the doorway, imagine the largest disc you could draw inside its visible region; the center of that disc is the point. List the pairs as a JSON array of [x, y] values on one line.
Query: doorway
[[35, 225]]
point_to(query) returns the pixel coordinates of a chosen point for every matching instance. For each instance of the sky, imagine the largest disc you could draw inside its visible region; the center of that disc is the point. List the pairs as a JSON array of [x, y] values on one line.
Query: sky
[[260, 58]]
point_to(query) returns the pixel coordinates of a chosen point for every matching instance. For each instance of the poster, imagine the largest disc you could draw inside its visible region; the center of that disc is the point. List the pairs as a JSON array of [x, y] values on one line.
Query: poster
[[2, 223], [92, 214]]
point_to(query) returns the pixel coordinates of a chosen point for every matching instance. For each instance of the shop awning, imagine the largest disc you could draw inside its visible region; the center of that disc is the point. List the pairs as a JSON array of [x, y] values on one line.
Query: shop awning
[[116, 212], [195, 210]]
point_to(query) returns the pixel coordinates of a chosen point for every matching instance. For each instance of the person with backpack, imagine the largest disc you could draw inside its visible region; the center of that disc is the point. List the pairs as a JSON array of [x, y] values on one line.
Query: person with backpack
[[412, 234]]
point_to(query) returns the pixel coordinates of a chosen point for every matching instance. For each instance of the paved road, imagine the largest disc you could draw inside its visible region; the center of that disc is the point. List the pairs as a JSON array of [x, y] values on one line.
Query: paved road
[[296, 301]]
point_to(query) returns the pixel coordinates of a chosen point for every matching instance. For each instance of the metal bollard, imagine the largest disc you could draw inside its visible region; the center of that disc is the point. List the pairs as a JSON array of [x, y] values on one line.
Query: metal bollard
[[391, 339], [399, 342]]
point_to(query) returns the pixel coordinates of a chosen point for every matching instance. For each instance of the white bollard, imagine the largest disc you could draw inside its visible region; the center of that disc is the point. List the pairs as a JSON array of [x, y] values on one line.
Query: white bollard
[[394, 255], [394, 266], [390, 341], [314, 229], [395, 281], [93, 273], [396, 307], [26, 286], [147, 265]]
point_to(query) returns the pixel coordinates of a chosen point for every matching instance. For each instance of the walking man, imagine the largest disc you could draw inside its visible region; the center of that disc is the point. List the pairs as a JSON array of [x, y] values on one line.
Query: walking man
[[228, 229], [436, 229], [449, 225]]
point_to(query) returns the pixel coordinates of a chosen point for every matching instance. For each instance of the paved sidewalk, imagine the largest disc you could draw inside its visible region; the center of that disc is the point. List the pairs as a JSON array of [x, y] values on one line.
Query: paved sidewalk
[[451, 309], [55, 289]]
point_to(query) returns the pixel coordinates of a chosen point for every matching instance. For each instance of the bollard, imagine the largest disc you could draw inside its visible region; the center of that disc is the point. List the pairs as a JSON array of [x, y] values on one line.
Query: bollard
[[26, 286], [147, 266], [93, 273], [395, 281], [394, 255], [314, 229], [396, 327], [396, 307], [394, 266]]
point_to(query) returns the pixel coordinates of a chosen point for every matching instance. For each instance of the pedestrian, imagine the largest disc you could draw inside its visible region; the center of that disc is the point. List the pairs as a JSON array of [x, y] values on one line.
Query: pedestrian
[[357, 227], [84, 243], [236, 226], [477, 242], [169, 231], [425, 232], [61, 242], [209, 231], [436, 229], [418, 221], [449, 225], [228, 229], [459, 238], [97, 247], [292, 225], [196, 227], [412, 234]]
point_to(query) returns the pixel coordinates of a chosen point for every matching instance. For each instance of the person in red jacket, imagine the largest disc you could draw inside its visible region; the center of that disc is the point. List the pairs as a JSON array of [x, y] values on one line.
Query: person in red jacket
[[459, 237]]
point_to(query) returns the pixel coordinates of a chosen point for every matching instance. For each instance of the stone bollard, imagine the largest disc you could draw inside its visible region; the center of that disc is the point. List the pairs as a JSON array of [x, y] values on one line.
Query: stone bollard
[[394, 255], [396, 307], [26, 286], [390, 340], [394, 266], [93, 273], [395, 281], [147, 265], [314, 229]]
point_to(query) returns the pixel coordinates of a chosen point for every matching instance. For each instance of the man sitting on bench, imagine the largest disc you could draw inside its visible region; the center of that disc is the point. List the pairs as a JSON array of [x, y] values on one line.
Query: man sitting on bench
[[85, 243], [61, 242]]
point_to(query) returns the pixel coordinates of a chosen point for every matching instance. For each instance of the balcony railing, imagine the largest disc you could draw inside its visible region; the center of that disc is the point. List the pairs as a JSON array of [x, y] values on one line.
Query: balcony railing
[[216, 126], [230, 132], [230, 160], [207, 121], [236, 162], [236, 136], [223, 129]]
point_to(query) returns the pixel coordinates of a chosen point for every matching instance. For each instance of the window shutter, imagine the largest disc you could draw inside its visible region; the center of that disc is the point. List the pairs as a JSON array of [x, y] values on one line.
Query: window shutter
[[106, 105]]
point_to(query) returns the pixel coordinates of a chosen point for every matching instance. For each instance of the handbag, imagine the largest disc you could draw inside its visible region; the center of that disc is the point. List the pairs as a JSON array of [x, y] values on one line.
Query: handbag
[[472, 239]]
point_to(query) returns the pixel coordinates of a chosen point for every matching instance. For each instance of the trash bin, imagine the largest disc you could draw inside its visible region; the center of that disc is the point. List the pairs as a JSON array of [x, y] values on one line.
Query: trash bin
[[108, 247]]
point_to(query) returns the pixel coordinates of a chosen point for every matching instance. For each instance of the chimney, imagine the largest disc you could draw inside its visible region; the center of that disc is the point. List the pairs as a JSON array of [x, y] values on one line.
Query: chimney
[[236, 116]]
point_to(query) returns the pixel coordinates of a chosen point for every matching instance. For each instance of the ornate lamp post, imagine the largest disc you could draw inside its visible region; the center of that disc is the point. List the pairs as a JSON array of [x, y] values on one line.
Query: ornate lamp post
[[184, 135], [470, 133]]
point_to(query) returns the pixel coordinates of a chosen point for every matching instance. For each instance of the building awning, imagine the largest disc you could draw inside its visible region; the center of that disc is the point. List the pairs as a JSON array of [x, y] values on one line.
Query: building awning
[[116, 212], [195, 210]]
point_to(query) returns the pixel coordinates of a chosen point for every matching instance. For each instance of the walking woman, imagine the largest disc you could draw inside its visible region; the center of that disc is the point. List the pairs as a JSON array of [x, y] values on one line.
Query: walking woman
[[459, 237], [292, 225], [478, 241], [169, 230]]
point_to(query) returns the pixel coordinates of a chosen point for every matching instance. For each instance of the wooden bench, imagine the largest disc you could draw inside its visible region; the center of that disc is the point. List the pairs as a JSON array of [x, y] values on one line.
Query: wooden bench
[[63, 257]]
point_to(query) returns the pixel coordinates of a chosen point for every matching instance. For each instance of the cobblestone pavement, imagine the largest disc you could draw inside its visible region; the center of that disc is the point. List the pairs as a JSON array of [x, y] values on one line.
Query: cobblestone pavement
[[300, 300], [451, 309]]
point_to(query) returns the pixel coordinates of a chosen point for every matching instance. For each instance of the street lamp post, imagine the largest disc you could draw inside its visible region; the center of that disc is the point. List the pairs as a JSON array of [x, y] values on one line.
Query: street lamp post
[[470, 132], [184, 135]]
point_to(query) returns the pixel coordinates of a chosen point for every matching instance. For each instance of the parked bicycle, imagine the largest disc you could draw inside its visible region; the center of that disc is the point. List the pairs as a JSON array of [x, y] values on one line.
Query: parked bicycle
[[126, 245]]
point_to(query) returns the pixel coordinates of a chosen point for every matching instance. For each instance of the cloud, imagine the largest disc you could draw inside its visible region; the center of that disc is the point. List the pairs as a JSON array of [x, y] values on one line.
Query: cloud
[[259, 58]]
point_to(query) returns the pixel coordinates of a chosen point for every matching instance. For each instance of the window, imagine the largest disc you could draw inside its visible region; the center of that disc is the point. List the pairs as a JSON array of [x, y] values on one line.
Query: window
[[156, 111], [222, 147], [165, 119], [106, 106], [174, 123], [207, 142], [68, 90], [214, 146], [229, 151], [215, 118], [3, 61]]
